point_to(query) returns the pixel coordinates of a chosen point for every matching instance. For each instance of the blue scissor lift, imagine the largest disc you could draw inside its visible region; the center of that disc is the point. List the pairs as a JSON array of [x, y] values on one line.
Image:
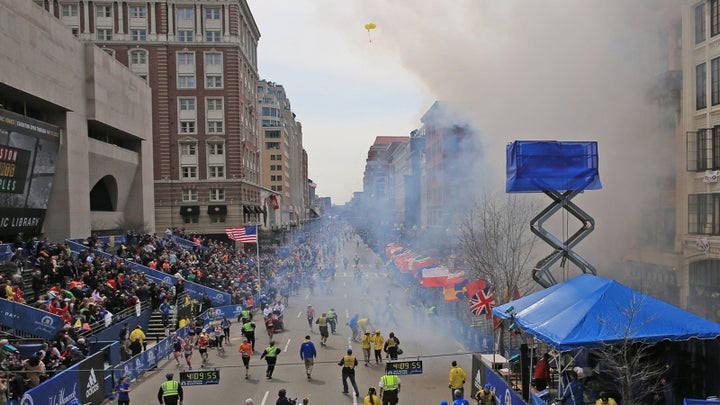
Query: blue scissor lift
[[560, 170]]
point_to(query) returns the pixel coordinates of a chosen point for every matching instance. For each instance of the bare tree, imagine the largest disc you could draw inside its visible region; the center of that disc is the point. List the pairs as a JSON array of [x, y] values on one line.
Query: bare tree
[[497, 243], [633, 365]]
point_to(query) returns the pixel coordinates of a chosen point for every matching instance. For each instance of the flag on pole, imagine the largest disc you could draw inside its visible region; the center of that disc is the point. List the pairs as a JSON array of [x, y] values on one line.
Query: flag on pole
[[274, 202], [482, 303], [244, 234]]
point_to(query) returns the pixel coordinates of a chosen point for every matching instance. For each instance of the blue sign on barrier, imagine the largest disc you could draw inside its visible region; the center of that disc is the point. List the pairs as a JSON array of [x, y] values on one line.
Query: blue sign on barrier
[[187, 244], [30, 320], [503, 392]]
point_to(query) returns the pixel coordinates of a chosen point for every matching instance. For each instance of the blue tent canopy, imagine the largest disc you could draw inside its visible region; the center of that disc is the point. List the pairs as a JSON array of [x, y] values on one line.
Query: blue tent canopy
[[590, 311]]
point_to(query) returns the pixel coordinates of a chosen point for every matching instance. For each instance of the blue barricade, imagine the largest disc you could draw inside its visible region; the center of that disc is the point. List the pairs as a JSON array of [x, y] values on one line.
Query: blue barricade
[[187, 244], [6, 252], [30, 320]]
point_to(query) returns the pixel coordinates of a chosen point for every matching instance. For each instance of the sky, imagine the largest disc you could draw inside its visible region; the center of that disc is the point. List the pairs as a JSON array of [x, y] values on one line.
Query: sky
[[345, 90], [520, 70]]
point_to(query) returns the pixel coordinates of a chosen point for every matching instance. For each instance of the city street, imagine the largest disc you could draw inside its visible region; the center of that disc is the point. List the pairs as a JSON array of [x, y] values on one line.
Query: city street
[[435, 348]]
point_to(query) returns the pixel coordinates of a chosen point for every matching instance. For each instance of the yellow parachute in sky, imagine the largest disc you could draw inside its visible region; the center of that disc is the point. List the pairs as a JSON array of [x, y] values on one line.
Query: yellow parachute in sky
[[368, 27]]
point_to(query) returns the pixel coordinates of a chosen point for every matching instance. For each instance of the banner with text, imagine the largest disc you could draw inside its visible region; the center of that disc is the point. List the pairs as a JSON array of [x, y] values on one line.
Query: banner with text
[[28, 154], [30, 320]]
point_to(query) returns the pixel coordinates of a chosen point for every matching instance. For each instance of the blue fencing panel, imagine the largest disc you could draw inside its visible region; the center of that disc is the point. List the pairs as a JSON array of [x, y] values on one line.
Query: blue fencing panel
[[504, 393], [534, 166], [30, 320], [187, 244], [231, 311], [112, 333], [6, 251]]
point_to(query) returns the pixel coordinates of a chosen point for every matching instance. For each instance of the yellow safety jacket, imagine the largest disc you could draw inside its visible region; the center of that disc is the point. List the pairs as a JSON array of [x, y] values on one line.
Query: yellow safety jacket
[[170, 388], [390, 382]]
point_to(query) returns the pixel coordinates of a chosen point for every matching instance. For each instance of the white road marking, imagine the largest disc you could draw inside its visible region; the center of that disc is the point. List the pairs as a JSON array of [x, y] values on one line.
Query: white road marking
[[299, 313], [286, 345], [265, 397]]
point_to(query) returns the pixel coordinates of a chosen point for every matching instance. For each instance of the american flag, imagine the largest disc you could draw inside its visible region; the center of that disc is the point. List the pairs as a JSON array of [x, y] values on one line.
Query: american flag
[[244, 234], [481, 302]]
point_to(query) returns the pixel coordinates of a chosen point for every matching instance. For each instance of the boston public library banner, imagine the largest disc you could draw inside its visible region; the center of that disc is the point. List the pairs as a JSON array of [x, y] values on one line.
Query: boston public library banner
[[28, 154]]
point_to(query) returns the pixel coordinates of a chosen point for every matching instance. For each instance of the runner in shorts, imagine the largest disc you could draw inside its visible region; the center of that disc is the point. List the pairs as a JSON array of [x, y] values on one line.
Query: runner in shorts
[[188, 351], [246, 351], [203, 348], [177, 343]]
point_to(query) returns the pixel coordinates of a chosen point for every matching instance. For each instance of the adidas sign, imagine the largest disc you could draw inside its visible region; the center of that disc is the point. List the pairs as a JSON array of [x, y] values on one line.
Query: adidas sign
[[93, 385]]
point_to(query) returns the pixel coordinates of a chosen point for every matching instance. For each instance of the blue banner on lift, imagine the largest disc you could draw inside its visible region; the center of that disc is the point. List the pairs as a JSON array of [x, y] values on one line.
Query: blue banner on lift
[[535, 166], [30, 320]]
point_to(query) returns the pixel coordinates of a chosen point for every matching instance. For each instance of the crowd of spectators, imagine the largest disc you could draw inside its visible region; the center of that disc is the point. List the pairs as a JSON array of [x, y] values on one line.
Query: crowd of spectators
[[85, 288]]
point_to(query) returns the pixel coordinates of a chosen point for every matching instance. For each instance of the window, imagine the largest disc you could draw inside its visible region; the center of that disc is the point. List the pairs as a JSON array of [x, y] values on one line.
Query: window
[[104, 35], [213, 81], [700, 84], [276, 177], [76, 31], [186, 82], [703, 149], [700, 23], [188, 149], [215, 127], [216, 172], [217, 194], [276, 188], [272, 134], [138, 57], [189, 195], [704, 214], [212, 36], [186, 104], [190, 219], [217, 219], [272, 145], [189, 172], [214, 104], [185, 35], [104, 10], [271, 123], [275, 157], [69, 10], [186, 58], [714, 17], [138, 35], [187, 127], [715, 81], [138, 12], [185, 14], [275, 168], [216, 148], [270, 112], [212, 13], [213, 59]]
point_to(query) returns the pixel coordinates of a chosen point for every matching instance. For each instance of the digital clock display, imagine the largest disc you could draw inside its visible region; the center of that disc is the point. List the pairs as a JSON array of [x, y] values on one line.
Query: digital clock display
[[404, 367], [199, 377]]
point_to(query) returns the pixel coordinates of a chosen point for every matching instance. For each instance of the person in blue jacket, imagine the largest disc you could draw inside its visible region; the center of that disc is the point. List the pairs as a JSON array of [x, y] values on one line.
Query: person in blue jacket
[[308, 355]]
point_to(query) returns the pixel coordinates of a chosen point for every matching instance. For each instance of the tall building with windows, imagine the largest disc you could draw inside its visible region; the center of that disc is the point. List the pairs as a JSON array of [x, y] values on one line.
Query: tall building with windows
[[284, 161], [698, 235], [200, 60]]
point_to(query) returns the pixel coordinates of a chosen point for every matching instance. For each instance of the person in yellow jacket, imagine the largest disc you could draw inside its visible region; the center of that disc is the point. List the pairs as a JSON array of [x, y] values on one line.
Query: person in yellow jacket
[[605, 399], [457, 379], [136, 334], [377, 340], [366, 346]]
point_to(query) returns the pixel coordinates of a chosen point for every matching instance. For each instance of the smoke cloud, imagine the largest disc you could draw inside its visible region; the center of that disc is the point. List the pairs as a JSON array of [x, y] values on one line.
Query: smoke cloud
[[553, 70]]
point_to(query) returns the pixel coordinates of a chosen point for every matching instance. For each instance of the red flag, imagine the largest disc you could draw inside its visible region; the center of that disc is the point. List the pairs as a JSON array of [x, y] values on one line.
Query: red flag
[[274, 202]]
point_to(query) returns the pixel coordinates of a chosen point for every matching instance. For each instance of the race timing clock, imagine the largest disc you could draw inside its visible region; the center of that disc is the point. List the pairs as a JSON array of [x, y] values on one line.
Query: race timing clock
[[404, 367], [199, 377]]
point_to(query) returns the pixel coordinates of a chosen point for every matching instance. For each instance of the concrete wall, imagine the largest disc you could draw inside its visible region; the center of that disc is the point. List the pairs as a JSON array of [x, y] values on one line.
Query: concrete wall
[[73, 84]]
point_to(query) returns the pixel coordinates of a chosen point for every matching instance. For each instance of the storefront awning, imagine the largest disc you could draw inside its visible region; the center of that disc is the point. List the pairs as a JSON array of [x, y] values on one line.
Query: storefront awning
[[217, 210], [190, 210]]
